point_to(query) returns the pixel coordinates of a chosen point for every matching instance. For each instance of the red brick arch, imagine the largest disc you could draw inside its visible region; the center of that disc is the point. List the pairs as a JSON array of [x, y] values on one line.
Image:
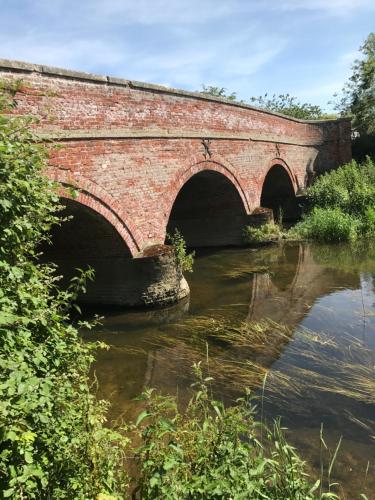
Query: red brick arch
[[95, 197], [278, 161], [183, 176], [273, 163]]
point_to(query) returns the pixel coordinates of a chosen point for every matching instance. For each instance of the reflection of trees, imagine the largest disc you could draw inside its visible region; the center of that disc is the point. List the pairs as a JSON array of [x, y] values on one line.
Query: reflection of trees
[[356, 257], [297, 275]]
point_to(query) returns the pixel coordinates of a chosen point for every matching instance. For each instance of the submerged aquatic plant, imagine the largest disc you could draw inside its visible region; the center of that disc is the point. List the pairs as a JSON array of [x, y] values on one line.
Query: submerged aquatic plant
[[313, 365]]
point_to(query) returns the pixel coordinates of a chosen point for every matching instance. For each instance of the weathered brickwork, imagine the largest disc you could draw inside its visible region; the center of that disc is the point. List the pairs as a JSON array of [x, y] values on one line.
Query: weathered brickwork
[[131, 147]]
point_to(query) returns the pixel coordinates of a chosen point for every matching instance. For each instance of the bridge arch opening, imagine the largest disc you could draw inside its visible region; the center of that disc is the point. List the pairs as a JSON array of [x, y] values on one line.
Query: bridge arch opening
[[278, 194], [208, 211], [88, 239]]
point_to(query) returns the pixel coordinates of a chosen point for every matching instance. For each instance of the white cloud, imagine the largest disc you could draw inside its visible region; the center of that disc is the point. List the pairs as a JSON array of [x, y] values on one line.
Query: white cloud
[[339, 8], [236, 44], [190, 57], [214, 62], [348, 58]]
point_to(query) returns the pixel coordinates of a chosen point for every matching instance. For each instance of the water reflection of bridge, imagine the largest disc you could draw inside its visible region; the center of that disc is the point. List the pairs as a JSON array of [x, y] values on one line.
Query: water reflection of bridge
[[293, 281]]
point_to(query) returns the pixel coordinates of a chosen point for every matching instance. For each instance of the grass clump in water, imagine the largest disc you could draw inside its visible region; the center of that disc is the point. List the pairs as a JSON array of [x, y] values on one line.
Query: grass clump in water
[[328, 225], [266, 233]]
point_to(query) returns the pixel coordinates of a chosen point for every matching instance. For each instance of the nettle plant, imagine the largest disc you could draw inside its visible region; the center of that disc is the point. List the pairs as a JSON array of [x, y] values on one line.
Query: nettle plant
[[52, 440]]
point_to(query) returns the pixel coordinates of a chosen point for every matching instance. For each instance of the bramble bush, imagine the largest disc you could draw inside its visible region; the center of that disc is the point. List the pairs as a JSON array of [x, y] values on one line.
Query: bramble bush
[[52, 440]]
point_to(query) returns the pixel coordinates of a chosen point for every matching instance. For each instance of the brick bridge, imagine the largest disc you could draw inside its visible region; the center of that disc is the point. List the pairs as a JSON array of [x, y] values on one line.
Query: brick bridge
[[147, 158]]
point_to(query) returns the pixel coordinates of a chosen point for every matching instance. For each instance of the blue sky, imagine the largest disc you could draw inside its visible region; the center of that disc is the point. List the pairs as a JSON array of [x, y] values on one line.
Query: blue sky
[[304, 47]]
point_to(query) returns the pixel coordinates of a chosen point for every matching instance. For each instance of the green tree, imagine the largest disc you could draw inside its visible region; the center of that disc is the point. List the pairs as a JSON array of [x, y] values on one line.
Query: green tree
[[281, 103], [218, 92], [358, 95], [290, 106]]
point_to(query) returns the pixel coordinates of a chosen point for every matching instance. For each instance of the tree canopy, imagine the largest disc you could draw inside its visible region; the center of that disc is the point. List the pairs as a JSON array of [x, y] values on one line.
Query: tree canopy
[[218, 92], [289, 105], [358, 95], [281, 103]]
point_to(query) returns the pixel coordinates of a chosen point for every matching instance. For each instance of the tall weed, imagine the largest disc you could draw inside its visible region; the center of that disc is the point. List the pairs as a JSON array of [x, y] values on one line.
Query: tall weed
[[211, 451]]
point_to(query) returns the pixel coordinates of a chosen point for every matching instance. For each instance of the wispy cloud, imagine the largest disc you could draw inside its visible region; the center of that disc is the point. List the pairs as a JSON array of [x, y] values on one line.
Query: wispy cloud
[[333, 7], [247, 46], [163, 11], [185, 60], [347, 58]]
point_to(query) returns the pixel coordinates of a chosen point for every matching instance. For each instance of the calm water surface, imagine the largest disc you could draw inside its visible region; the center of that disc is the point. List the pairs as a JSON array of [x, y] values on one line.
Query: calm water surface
[[321, 372]]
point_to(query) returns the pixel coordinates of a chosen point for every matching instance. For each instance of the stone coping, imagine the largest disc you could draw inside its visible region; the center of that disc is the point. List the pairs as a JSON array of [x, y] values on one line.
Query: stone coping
[[23, 67], [115, 133]]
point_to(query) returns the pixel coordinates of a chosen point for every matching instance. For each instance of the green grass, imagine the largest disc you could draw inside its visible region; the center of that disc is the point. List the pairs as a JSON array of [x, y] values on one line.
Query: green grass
[[269, 232]]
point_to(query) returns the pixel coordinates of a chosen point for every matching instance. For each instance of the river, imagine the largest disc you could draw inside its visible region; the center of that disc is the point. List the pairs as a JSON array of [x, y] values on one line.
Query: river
[[314, 352]]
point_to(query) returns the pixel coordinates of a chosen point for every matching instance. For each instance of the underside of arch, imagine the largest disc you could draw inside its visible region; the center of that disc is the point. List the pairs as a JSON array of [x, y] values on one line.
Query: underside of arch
[[86, 239], [208, 211], [278, 194]]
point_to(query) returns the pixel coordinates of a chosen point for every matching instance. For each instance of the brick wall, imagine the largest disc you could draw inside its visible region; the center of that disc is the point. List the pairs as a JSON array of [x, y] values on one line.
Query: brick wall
[[131, 147]]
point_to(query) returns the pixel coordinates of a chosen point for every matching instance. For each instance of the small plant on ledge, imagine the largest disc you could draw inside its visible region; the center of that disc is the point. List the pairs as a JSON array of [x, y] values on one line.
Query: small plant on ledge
[[184, 259]]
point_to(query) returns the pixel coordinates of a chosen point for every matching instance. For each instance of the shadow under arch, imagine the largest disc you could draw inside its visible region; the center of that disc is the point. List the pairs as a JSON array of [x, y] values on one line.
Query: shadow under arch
[[90, 194], [278, 193], [208, 210], [85, 239]]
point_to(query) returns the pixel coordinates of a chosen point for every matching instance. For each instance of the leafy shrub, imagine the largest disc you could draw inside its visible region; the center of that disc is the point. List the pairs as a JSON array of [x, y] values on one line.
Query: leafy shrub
[[342, 204], [350, 188], [368, 222], [52, 440], [327, 225], [264, 233], [210, 451], [184, 259]]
